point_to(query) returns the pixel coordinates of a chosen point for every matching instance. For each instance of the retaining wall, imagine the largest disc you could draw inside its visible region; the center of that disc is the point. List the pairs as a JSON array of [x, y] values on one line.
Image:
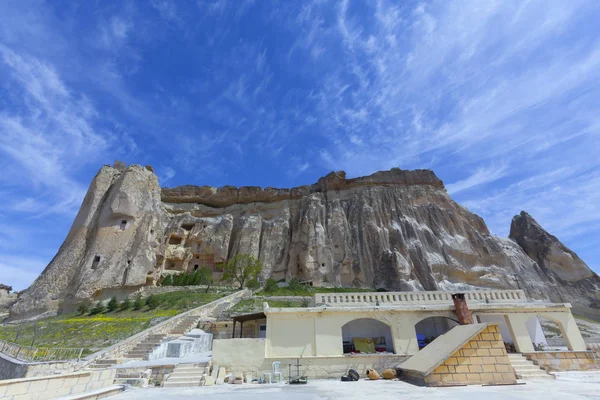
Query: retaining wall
[[554, 361], [49, 387], [11, 368]]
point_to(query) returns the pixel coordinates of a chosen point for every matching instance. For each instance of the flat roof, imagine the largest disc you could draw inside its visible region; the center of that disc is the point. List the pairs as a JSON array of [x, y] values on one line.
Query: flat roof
[[249, 317]]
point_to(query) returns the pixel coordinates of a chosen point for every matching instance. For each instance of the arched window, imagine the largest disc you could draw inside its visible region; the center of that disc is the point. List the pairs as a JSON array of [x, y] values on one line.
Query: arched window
[[367, 335]]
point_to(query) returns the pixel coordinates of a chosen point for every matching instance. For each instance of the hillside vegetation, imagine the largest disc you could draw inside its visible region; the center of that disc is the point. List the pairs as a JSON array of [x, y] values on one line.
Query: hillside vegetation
[[103, 329]]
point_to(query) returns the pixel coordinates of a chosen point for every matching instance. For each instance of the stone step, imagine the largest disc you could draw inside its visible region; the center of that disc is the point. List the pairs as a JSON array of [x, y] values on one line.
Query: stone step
[[190, 366], [535, 376], [181, 384], [526, 368], [187, 373]]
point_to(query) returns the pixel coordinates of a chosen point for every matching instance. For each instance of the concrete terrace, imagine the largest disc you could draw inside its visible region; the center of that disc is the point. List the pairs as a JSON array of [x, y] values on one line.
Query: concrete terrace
[[573, 387]]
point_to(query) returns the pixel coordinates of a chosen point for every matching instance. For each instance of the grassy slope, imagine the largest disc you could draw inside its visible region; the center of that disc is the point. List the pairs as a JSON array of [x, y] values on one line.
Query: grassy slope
[[102, 330]]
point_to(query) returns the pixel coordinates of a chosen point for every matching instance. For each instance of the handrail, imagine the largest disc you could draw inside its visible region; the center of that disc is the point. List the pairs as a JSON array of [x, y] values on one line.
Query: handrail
[[431, 297], [36, 354]]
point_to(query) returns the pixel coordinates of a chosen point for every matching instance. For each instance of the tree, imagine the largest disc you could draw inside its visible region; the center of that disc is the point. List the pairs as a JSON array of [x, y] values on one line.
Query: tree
[[138, 304], [205, 277], [83, 308], [241, 269], [270, 285], [113, 304], [125, 305], [152, 302], [168, 281], [98, 308]]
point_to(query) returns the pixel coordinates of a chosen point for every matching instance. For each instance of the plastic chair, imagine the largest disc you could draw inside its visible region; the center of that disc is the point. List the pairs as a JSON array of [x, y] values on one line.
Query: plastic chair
[[277, 371], [266, 375]]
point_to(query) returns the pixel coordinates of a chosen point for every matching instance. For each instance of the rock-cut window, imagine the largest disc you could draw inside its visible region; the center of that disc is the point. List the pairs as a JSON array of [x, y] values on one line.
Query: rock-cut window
[[123, 224], [96, 262]]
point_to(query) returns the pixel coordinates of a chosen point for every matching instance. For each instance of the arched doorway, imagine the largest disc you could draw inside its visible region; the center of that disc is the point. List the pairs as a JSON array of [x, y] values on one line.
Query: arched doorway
[[367, 335], [430, 328]]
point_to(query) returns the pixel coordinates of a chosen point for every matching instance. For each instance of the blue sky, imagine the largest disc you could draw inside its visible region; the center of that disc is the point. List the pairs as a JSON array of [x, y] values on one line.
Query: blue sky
[[500, 98]]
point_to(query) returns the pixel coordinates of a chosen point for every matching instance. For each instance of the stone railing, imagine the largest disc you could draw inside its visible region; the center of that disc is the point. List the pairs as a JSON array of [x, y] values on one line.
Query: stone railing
[[124, 346], [35, 354], [418, 298]]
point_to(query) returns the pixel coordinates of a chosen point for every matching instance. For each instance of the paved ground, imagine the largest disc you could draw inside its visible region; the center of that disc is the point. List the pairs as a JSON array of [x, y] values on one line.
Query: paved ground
[[584, 387]]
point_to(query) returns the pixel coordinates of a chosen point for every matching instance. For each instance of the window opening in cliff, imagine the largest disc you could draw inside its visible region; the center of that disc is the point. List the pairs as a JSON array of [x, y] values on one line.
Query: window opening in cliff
[[196, 266], [430, 328], [367, 335], [175, 240], [95, 262], [187, 227], [152, 231], [123, 224]]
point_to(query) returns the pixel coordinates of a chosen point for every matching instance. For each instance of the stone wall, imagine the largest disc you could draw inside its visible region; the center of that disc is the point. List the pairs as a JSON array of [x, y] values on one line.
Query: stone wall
[[11, 368], [553, 361], [49, 387], [482, 360]]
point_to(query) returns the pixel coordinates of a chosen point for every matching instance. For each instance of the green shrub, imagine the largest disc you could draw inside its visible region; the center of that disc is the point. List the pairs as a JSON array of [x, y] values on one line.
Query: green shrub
[[294, 285], [270, 285], [168, 281], [305, 303], [138, 304], [125, 304], [152, 302], [99, 308], [253, 284], [113, 304], [83, 308]]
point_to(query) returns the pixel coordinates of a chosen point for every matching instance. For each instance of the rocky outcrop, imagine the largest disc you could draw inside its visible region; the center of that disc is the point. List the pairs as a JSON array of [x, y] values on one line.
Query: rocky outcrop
[[547, 250], [394, 229], [560, 265], [6, 298], [111, 245]]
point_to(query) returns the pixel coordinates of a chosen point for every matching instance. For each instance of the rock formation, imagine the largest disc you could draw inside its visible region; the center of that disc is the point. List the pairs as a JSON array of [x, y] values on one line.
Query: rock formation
[[6, 298], [394, 229]]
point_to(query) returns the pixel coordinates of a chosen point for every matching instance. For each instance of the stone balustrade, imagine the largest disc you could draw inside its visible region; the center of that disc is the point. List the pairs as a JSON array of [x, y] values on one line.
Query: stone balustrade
[[418, 298]]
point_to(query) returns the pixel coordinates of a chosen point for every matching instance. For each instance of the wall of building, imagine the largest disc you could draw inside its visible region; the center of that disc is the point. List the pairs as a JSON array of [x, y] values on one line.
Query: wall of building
[[248, 355], [482, 360], [303, 334], [49, 387]]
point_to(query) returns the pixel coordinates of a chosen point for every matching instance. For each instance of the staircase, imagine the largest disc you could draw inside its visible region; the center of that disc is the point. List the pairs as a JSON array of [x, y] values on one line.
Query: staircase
[[526, 369], [187, 375], [145, 346], [103, 363]]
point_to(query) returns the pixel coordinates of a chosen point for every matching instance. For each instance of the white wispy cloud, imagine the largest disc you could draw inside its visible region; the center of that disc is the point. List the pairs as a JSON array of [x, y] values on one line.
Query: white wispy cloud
[[481, 176]]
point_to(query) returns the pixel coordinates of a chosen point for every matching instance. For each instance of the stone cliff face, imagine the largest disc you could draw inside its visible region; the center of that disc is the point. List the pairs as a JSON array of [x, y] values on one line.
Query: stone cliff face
[[111, 244], [394, 229]]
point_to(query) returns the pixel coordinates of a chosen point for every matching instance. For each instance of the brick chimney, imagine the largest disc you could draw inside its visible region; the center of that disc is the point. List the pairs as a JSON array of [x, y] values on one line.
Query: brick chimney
[[461, 309]]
